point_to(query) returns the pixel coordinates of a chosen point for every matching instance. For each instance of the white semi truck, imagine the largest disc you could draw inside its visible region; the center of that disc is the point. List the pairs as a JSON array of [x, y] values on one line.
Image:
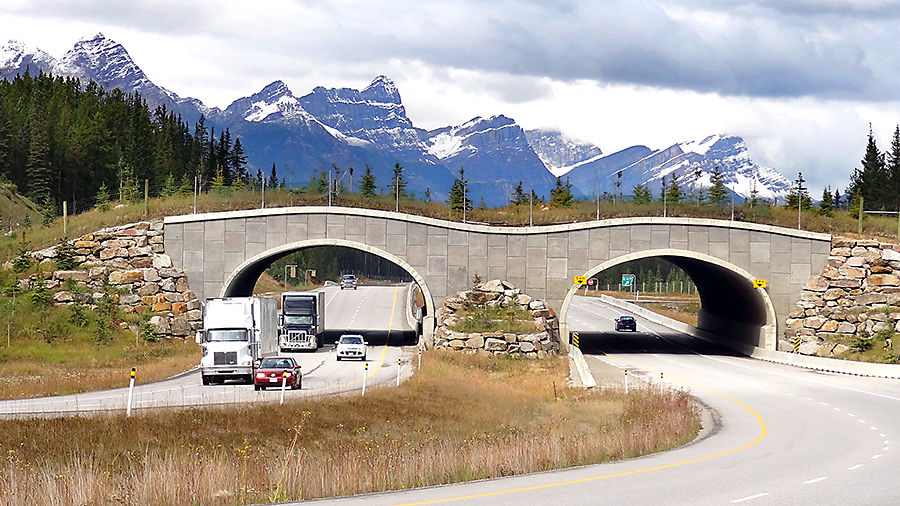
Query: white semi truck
[[237, 333], [302, 320]]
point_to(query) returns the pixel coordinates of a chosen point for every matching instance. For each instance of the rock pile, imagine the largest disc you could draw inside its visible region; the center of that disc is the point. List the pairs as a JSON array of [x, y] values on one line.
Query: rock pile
[[849, 296], [131, 259], [544, 340]]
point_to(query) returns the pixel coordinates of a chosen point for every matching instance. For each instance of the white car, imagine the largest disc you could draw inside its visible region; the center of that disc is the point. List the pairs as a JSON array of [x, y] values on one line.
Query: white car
[[351, 346]]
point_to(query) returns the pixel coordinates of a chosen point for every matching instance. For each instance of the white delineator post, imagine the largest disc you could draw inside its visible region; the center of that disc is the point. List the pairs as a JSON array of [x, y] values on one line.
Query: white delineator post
[[365, 374], [283, 385], [398, 372], [626, 381], [130, 392]]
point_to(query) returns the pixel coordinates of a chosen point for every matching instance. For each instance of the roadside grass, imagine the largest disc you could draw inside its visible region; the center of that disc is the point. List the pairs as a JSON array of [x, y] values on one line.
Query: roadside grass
[[33, 368], [461, 417]]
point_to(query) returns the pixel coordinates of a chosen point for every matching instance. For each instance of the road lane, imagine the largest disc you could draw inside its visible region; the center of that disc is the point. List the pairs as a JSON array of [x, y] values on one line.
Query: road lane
[[782, 435], [376, 308]]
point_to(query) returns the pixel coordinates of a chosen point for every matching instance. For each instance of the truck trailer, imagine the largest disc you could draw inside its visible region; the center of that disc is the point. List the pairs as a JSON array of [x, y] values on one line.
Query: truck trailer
[[302, 320], [237, 333]]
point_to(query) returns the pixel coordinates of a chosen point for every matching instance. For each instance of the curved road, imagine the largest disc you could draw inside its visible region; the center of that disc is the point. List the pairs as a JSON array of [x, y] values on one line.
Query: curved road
[[783, 435], [373, 311]]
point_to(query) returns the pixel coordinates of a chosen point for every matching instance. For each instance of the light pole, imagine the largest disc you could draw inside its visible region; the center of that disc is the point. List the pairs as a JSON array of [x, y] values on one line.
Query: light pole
[[464, 202], [293, 269], [531, 208]]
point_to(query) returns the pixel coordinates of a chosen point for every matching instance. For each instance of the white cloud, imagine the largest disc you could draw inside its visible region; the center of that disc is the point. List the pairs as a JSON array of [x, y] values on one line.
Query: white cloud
[[799, 79]]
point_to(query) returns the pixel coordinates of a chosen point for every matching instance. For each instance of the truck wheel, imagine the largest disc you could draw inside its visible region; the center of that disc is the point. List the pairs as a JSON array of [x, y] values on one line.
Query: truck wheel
[[256, 387], [205, 379], [338, 359]]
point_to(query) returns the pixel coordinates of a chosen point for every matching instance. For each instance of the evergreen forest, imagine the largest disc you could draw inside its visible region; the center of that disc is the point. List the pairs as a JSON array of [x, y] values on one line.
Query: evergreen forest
[[62, 140]]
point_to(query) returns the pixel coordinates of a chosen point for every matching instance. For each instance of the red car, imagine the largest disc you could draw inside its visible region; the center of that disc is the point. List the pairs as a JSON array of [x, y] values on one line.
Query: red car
[[272, 371]]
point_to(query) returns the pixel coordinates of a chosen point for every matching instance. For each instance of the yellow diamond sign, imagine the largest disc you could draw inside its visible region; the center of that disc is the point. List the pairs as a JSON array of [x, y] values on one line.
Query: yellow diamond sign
[[580, 280]]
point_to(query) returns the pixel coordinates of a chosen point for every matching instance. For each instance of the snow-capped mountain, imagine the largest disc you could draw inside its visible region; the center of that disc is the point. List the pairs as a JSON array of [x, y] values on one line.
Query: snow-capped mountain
[[107, 62], [375, 115], [495, 154], [356, 128], [559, 154], [690, 163], [16, 58]]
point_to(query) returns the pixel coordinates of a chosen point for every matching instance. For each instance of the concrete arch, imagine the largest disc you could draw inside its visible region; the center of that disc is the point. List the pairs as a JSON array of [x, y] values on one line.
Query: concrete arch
[[248, 272], [723, 287]]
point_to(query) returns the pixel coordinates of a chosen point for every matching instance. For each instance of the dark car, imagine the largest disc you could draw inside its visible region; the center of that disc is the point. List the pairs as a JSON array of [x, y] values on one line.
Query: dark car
[[348, 281], [272, 371], [626, 323]]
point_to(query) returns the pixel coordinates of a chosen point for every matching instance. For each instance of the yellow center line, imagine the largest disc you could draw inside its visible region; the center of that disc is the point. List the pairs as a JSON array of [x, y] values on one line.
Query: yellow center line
[[383, 351], [762, 435]]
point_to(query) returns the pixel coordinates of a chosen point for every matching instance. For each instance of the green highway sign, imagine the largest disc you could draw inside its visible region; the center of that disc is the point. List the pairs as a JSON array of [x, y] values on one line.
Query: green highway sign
[[627, 279]]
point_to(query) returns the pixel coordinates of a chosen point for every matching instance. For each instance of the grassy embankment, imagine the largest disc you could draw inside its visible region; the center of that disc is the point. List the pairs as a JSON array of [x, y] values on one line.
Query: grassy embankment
[[461, 417]]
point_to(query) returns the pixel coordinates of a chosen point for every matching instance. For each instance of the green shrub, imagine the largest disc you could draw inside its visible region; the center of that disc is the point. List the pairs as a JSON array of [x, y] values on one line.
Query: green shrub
[[65, 256], [863, 342]]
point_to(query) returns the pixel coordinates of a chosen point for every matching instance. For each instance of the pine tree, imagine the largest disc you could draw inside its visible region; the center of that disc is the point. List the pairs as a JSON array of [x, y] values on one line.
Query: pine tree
[[561, 195], [893, 169], [799, 194], [398, 184], [39, 171], [872, 181], [239, 162], [458, 197], [518, 195], [272, 184], [674, 193], [640, 194], [826, 205], [718, 192], [103, 198], [367, 185]]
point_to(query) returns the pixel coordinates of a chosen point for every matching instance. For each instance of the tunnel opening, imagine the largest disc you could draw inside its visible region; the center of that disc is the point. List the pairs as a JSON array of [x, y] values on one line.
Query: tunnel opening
[[320, 265], [731, 311]]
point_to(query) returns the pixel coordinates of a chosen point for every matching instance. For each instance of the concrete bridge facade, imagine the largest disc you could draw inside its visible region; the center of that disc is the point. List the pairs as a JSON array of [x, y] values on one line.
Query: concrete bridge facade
[[224, 253]]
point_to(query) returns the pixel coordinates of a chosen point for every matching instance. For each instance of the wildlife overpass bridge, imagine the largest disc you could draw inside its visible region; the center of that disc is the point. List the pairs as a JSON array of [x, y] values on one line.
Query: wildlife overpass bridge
[[223, 254]]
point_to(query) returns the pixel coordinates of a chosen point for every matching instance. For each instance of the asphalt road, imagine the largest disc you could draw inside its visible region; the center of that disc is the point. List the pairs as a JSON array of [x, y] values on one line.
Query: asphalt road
[[777, 435], [376, 312]]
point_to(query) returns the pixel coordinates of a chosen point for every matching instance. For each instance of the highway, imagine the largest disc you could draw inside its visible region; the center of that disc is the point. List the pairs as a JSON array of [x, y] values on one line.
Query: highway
[[777, 435], [376, 312]]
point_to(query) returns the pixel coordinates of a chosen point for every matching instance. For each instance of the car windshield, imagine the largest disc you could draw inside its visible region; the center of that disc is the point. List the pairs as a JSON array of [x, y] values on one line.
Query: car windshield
[[226, 335], [351, 340], [275, 363], [626, 318]]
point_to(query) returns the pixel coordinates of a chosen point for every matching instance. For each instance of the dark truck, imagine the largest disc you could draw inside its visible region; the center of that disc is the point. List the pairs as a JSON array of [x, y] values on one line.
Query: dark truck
[[302, 320]]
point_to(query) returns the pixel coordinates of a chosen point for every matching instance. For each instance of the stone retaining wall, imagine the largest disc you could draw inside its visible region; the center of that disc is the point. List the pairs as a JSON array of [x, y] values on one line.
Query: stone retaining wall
[[545, 339], [132, 260], [849, 296]]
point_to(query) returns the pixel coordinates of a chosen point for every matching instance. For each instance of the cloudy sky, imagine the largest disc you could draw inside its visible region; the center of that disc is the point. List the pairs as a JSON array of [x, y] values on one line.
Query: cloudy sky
[[799, 80]]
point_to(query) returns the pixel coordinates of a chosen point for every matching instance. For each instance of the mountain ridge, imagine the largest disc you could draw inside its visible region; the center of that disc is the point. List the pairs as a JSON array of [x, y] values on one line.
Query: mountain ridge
[[355, 128]]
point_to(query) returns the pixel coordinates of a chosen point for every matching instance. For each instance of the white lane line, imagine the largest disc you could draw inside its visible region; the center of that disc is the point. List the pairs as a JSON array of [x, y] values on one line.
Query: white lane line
[[886, 448], [851, 415], [873, 428], [823, 403], [854, 468], [749, 498], [808, 398], [862, 421], [882, 435], [875, 456], [792, 394], [815, 480], [837, 409]]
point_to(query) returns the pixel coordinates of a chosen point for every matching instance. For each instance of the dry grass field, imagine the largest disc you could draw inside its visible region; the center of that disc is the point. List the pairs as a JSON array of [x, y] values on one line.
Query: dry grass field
[[461, 417]]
